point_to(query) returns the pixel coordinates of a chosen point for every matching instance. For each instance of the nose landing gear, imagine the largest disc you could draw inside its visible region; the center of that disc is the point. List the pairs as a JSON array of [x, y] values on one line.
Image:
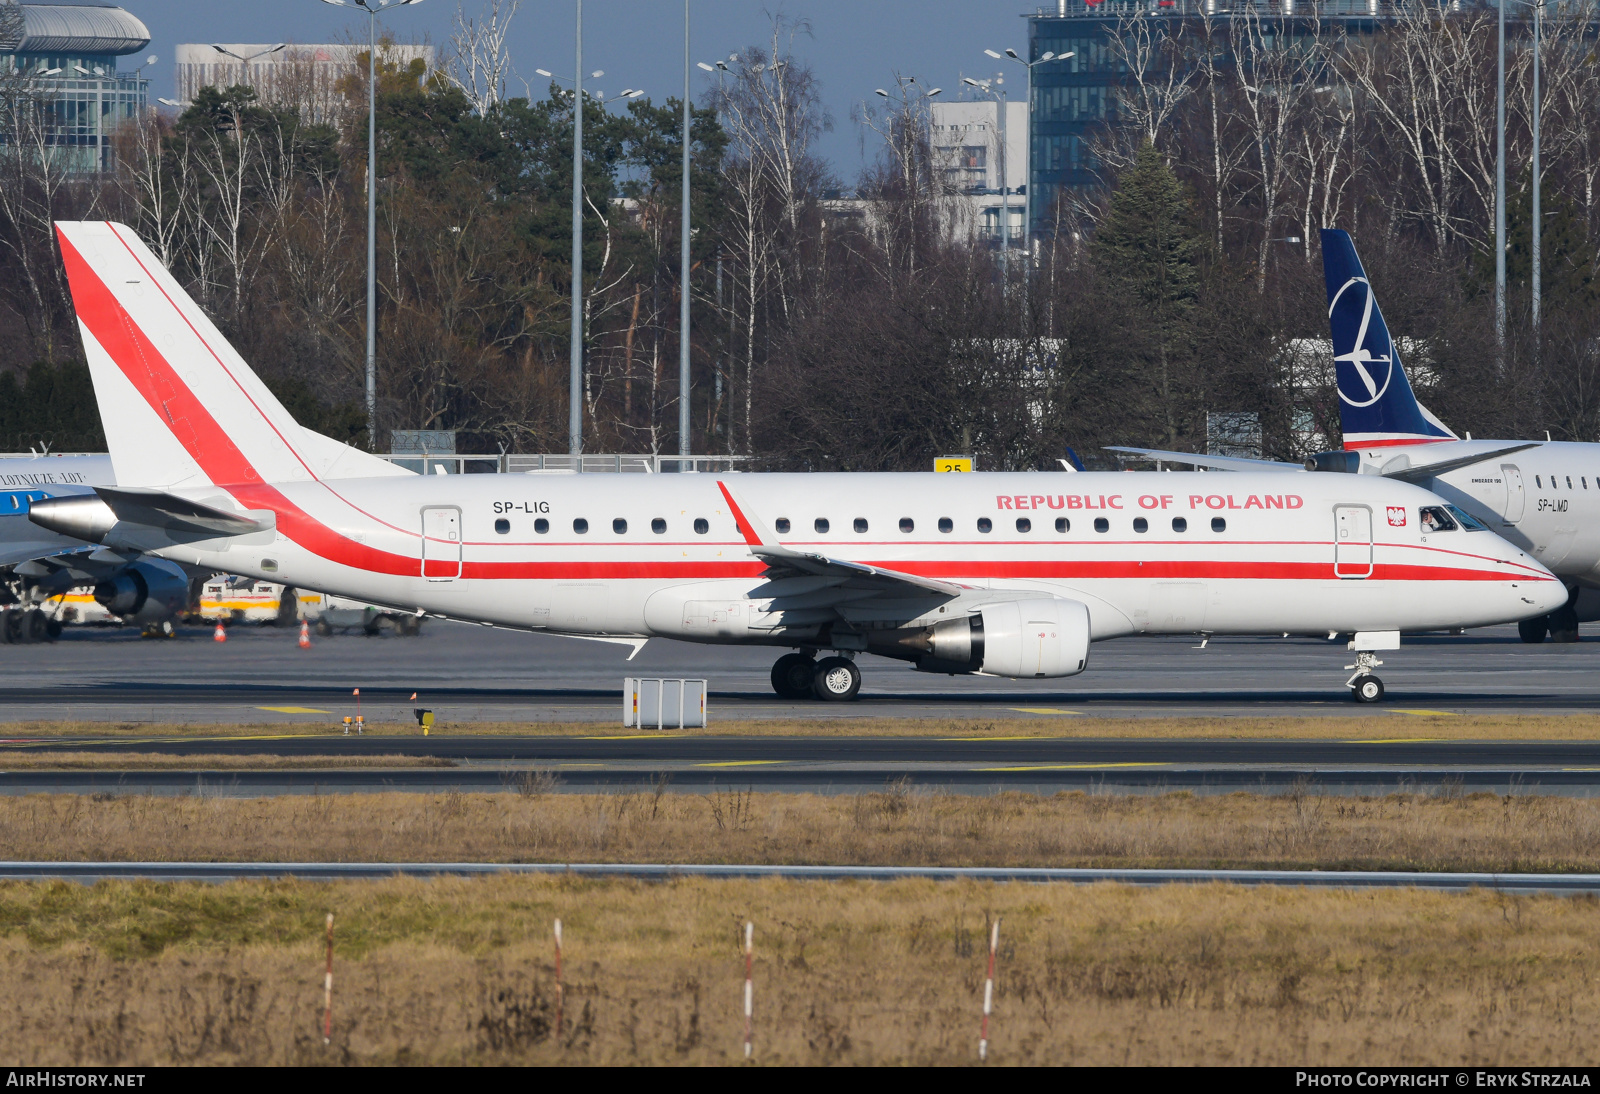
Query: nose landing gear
[[1365, 687]]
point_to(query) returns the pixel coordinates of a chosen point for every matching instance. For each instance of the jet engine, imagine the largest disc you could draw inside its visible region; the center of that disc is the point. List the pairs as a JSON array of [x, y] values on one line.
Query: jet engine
[[1019, 638], [148, 591]]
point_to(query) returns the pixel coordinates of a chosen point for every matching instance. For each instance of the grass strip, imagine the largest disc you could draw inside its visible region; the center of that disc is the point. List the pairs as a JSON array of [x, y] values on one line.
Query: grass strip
[[1389, 725], [451, 971]]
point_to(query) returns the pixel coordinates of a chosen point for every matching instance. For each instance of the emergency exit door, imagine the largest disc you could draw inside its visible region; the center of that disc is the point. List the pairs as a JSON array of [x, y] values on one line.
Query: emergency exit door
[[1516, 498], [1352, 542], [441, 543]]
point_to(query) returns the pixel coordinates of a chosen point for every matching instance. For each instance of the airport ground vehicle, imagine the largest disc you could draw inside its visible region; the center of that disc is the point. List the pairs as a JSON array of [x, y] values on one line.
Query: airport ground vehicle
[[1005, 574], [228, 598]]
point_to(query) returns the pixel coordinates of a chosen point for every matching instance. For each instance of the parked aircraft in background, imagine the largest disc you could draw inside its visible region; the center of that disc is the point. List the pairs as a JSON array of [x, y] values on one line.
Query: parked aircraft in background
[[1004, 574], [44, 566], [1543, 496]]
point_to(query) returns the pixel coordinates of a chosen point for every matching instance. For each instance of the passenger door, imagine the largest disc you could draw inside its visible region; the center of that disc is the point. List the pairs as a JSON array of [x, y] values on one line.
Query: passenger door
[[441, 543], [1352, 544], [1515, 498]]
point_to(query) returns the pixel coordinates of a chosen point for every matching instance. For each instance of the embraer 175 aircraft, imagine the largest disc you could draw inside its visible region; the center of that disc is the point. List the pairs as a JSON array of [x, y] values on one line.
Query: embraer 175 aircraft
[[1543, 496], [1005, 574]]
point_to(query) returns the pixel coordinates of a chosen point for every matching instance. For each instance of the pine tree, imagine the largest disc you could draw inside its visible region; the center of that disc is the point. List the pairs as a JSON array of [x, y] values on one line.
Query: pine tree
[[1148, 249]]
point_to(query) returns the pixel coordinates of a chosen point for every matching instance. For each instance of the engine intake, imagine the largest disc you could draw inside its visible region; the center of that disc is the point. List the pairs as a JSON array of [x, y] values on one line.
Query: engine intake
[[148, 591], [1045, 637]]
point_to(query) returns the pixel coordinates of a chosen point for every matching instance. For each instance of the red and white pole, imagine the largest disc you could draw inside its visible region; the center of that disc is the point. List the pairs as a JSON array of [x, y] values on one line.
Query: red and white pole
[[988, 992], [327, 989], [560, 990], [749, 986]]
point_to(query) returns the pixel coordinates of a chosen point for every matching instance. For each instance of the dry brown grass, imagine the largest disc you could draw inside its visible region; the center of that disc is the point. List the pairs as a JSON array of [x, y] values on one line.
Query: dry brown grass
[[896, 827], [146, 761], [460, 971], [1389, 725]]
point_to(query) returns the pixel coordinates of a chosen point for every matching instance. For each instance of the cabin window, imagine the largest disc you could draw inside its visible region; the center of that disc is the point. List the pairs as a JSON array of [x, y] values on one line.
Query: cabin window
[[580, 526], [701, 526], [503, 526], [1585, 480], [1140, 524], [1466, 520], [1180, 524], [1218, 524], [1063, 524], [984, 524], [1101, 524], [1024, 524], [1569, 482], [861, 524], [1537, 481], [946, 524], [821, 525], [619, 526], [541, 526], [907, 525], [658, 526], [782, 525]]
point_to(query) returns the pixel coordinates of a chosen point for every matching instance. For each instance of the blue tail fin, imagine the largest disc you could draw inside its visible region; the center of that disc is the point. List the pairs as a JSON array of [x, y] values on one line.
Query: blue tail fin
[[1376, 406]]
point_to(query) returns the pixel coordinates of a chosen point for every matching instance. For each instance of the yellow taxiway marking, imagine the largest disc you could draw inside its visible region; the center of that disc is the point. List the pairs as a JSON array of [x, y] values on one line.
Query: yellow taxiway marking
[[1427, 713], [1393, 741], [1581, 769], [632, 736], [742, 763], [1044, 710], [1071, 767], [296, 710]]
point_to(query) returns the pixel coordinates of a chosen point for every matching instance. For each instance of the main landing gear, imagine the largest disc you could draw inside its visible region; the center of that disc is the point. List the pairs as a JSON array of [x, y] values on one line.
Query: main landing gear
[[801, 676], [1365, 687]]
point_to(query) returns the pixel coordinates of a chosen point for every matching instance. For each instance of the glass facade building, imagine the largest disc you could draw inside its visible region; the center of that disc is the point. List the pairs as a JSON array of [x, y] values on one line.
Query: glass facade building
[[69, 55]]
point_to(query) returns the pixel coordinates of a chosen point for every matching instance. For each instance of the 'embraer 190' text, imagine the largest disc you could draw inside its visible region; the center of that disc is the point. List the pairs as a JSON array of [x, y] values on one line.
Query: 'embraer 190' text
[[1147, 501]]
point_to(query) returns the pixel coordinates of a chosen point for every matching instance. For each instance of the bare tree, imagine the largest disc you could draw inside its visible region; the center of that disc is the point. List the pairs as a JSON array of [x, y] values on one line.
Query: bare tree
[[478, 60], [1151, 51]]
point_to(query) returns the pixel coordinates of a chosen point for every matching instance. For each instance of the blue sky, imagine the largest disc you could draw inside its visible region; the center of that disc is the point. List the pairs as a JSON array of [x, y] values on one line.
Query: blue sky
[[853, 45]]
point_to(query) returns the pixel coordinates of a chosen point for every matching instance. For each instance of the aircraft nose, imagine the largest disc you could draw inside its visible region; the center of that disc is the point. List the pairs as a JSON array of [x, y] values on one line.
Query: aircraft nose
[[1546, 595]]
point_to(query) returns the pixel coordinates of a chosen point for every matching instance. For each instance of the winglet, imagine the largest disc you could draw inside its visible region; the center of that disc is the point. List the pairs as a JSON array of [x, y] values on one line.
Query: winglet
[[747, 527]]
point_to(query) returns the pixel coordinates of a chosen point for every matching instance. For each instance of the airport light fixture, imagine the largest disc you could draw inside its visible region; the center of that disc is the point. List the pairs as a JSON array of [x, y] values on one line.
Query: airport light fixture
[[1027, 192], [373, 8], [243, 59]]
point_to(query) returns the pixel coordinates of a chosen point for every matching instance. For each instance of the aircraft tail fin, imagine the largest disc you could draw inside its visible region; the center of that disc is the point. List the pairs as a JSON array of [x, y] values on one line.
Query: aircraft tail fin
[[1377, 408], [179, 405]]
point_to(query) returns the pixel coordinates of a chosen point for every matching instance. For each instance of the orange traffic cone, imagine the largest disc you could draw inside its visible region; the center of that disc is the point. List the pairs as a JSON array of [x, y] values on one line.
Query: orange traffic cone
[[305, 635], [219, 635]]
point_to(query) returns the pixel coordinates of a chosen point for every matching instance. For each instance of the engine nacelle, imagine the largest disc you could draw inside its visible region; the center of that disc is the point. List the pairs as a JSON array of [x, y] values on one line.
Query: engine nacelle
[[1019, 638], [151, 590]]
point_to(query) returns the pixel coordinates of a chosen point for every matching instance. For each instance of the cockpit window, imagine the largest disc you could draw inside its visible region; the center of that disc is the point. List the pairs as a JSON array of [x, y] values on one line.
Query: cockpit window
[[1435, 519], [1466, 520]]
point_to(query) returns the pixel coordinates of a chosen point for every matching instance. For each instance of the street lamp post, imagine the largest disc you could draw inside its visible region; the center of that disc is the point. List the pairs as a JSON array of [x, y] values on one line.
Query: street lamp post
[[683, 260], [1027, 196], [373, 8], [575, 364]]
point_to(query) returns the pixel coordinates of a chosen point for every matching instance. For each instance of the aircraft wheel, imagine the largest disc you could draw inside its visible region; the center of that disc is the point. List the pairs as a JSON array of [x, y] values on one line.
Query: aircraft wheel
[[1367, 689], [34, 626], [323, 629], [791, 676], [1564, 625], [836, 679], [288, 607], [52, 628], [1534, 630], [8, 626]]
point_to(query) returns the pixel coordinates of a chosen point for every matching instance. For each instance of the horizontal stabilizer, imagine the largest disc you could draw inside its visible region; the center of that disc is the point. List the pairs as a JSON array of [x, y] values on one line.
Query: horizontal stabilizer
[[171, 513]]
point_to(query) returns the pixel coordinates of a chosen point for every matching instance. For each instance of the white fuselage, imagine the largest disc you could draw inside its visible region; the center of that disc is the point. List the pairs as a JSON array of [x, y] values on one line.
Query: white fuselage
[[1273, 563], [1545, 499]]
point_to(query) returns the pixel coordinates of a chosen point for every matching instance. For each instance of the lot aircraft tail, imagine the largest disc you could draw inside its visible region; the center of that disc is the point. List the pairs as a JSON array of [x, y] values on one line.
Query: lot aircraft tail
[[1376, 406], [180, 406]]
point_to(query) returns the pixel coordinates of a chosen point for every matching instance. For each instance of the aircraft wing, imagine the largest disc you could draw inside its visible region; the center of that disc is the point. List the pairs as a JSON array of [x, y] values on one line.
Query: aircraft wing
[[786, 562], [1424, 472], [1199, 459]]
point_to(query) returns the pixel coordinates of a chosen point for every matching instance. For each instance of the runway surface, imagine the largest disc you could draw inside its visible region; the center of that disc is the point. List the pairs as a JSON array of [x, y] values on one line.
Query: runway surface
[[472, 674], [689, 763], [89, 872]]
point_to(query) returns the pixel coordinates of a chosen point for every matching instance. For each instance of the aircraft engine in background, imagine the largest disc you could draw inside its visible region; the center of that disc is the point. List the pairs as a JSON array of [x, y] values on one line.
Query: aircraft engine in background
[[150, 590], [1048, 636]]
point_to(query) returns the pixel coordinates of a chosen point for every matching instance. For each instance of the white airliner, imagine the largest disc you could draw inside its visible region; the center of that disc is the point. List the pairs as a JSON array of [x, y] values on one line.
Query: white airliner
[[1544, 496], [1006, 574]]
